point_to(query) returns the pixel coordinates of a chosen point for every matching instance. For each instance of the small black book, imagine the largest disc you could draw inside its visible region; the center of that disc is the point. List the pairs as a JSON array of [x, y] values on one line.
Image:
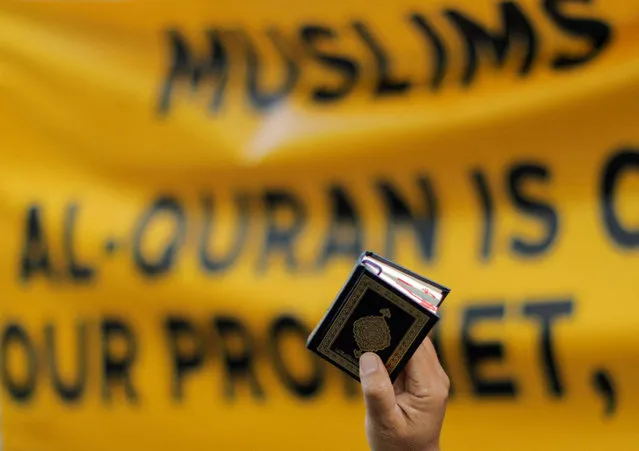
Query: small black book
[[382, 308]]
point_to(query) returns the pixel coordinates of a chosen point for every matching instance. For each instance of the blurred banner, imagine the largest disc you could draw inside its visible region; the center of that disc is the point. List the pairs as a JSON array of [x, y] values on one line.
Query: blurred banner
[[184, 187]]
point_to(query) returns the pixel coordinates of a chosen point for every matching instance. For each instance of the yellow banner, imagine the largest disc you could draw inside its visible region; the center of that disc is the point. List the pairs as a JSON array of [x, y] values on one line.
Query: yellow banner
[[184, 188]]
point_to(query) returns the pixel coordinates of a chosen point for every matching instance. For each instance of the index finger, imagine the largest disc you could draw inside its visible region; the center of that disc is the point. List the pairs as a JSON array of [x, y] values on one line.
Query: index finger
[[423, 370]]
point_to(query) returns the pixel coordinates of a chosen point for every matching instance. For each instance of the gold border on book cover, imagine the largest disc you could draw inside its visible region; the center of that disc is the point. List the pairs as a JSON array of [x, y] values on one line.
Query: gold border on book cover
[[365, 283]]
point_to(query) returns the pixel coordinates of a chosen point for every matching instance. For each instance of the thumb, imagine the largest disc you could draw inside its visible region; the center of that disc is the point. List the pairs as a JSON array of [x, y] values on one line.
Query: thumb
[[379, 395]]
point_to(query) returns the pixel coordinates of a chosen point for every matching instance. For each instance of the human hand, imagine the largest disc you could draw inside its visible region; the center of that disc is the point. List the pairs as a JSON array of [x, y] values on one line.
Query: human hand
[[407, 415]]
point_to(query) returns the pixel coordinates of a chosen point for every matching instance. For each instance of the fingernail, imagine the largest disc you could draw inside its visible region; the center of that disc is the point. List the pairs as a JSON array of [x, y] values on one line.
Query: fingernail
[[367, 363]]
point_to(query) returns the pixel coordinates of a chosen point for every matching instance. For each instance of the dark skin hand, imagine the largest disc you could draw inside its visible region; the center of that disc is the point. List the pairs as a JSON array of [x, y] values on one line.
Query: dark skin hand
[[407, 415]]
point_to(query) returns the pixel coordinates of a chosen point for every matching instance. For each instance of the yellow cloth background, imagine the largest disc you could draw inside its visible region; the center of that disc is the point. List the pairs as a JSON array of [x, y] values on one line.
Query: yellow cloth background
[[87, 150]]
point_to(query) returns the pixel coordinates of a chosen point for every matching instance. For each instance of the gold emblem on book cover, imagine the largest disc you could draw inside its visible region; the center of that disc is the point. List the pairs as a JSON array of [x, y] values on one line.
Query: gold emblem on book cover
[[372, 333]]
